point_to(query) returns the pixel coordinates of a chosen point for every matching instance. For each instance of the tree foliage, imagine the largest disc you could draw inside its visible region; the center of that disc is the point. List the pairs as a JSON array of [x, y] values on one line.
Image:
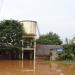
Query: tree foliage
[[68, 53], [50, 38], [10, 32]]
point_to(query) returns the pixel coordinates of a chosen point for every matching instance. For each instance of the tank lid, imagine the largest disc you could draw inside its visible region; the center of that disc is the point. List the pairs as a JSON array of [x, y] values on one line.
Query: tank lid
[[28, 21]]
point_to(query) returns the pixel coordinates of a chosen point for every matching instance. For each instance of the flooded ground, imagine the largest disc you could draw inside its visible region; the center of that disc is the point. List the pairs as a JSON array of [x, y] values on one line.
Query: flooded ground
[[8, 67]]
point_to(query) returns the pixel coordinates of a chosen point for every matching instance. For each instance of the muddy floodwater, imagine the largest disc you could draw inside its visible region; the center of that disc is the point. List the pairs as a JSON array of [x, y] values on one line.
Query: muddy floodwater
[[39, 67]]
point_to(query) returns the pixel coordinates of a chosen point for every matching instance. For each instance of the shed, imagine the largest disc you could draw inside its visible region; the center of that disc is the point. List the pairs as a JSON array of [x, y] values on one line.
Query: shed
[[48, 51]]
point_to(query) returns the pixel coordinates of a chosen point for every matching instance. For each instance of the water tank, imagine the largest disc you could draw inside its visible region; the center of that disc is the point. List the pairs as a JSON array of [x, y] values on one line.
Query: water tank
[[29, 27]]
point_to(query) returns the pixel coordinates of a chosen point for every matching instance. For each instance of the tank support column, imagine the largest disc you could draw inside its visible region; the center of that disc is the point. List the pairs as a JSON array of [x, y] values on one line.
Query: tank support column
[[22, 51], [22, 55], [34, 52]]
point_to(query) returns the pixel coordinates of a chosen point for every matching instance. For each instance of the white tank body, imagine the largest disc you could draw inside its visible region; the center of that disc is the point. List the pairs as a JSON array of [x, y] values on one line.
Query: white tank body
[[29, 27]]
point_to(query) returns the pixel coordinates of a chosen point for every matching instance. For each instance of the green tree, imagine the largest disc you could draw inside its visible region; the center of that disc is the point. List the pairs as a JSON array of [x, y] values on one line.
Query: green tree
[[10, 32], [68, 53], [50, 38], [10, 37]]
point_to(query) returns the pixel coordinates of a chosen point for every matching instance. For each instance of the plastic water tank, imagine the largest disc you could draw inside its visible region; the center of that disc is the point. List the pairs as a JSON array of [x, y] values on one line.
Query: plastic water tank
[[29, 27]]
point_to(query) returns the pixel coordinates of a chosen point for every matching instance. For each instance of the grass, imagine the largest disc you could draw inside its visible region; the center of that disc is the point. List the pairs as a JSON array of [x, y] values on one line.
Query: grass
[[61, 62]]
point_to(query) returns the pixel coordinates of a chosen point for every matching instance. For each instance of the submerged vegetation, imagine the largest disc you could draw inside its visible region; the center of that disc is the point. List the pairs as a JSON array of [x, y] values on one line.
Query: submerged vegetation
[[68, 53], [61, 62]]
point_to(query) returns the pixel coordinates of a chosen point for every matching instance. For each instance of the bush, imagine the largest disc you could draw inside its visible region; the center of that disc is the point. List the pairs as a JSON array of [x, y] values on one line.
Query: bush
[[68, 53]]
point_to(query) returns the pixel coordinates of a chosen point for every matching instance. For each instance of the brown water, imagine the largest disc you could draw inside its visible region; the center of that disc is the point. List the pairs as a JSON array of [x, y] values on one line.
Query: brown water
[[8, 67]]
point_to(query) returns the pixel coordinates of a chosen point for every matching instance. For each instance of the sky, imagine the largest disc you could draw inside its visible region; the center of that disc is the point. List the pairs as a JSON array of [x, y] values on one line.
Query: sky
[[56, 16]]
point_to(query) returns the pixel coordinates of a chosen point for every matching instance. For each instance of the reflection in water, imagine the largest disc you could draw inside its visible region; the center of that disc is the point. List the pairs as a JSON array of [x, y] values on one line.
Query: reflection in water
[[61, 72], [17, 67], [55, 68], [29, 68]]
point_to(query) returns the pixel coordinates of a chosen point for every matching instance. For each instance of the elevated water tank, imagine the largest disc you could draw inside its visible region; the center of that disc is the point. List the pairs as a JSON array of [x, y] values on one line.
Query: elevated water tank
[[29, 27]]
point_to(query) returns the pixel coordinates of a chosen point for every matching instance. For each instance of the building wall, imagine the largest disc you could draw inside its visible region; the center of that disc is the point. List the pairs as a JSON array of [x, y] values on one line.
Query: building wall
[[44, 51], [54, 54]]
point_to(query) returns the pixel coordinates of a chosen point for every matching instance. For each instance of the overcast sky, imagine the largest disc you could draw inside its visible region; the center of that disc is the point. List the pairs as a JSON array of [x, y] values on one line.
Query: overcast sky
[[56, 16]]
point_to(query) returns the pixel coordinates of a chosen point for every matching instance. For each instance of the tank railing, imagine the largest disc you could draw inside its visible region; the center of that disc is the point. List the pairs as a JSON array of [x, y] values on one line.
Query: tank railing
[[28, 45]]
